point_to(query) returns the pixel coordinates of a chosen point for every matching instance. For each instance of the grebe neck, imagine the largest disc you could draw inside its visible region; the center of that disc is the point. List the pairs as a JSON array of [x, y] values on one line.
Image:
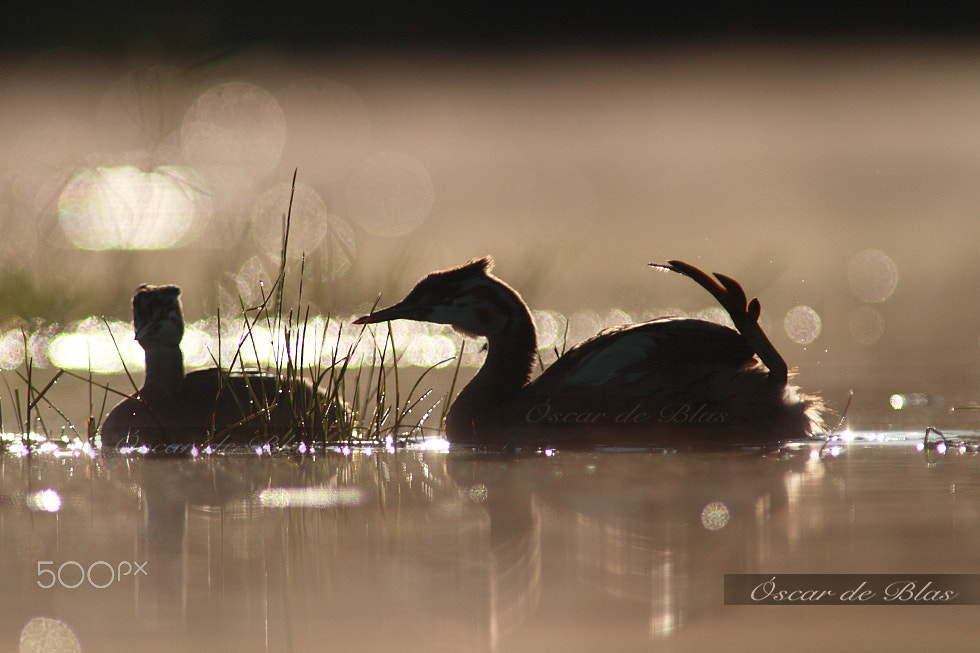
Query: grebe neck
[[507, 369], [164, 369], [510, 359]]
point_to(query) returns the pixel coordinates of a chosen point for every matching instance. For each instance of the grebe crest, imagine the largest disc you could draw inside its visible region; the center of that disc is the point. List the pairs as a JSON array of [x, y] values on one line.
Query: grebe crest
[[468, 298]]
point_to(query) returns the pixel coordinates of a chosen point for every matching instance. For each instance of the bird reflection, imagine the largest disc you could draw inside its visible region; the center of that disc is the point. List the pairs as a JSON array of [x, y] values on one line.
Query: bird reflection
[[459, 550], [660, 528]]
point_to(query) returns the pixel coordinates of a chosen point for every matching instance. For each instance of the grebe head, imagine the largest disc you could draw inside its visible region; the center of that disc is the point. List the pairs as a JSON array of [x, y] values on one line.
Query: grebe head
[[468, 298], [157, 318]]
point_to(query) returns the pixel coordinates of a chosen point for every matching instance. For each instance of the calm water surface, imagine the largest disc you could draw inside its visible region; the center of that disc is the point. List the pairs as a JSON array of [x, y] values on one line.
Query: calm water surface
[[427, 550]]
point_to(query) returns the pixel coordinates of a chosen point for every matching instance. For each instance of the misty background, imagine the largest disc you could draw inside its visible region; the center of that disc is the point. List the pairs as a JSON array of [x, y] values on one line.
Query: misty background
[[830, 169]]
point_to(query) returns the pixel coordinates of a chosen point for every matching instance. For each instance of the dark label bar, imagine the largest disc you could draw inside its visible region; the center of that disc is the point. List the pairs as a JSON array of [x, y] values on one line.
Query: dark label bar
[[852, 589]]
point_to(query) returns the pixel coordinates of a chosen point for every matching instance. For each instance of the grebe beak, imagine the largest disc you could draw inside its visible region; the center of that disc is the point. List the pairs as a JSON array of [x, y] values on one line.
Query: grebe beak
[[399, 311]]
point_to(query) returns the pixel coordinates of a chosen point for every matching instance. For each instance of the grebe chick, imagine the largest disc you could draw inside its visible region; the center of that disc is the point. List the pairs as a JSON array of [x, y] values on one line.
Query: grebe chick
[[668, 378], [210, 405]]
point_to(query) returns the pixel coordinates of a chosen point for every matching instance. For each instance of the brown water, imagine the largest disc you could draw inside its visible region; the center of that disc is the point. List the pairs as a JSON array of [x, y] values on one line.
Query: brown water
[[414, 550]]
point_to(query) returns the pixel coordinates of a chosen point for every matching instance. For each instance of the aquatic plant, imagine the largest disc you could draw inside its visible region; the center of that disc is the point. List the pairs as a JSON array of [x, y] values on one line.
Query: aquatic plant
[[312, 398], [32, 427]]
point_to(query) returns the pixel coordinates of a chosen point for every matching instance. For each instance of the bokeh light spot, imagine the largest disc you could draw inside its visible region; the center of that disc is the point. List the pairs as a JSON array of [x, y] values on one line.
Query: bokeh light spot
[[339, 249], [89, 349], [872, 275], [127, 208], [47, 635], [802, 324], [581, 326], [717, 315], [550, 327], [234, 131], [661, 312], [715, 516], [310, 228], [307, 219], [389, 194], [249, 281], [617, 317], [11, 349], [478, 493], [310, 497], [195, 346], [44, 501], [431, 350], [867, 325]]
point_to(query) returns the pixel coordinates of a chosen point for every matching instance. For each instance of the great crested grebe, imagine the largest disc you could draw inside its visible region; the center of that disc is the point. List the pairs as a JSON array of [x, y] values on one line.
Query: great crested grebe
[[670, 377], [209, 405]]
